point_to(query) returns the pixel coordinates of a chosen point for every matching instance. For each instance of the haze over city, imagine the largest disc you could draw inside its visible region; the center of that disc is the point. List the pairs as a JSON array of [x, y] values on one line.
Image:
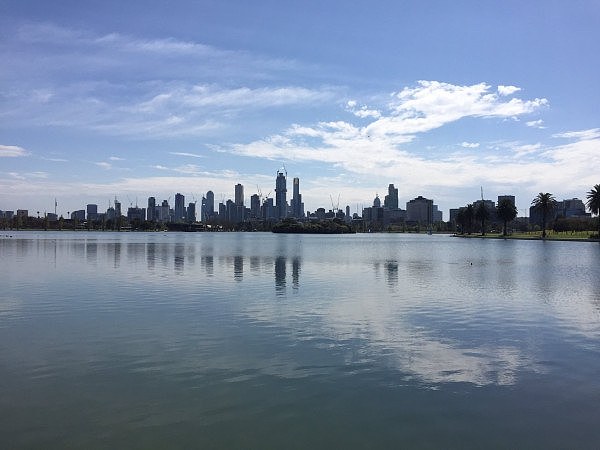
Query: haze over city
[[149, 98]]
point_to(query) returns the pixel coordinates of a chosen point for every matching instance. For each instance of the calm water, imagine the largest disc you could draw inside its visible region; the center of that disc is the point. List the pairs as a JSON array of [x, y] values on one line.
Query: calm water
[[253, 340]]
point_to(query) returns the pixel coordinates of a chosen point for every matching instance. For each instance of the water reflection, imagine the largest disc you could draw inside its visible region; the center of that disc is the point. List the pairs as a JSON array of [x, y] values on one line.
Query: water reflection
[[178, 258], [391, 272], [444, 321], [280, 273], [238, 268]]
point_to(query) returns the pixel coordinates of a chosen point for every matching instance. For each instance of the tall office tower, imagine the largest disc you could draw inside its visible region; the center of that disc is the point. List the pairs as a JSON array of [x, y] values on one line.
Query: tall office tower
[[510, 198], [391, 200], [150, 211], [210, 204], [348, 212], [92, 212], [203, 214], [297, 200], [179, 207], [239, 195], [164, 211], [255, 206], [222, 212], [191, 213], [117, 209], [280, 195]]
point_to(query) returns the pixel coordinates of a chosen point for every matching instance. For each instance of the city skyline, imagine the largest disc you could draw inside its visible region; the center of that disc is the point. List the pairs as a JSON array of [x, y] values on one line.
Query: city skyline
[[143, 100]]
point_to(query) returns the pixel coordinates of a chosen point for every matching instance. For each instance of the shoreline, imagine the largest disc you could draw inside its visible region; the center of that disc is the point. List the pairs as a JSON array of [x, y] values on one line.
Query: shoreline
[[526, 238]]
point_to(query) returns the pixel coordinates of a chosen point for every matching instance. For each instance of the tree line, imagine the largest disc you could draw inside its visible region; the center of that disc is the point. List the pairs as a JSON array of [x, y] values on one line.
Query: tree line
[[506, 211]]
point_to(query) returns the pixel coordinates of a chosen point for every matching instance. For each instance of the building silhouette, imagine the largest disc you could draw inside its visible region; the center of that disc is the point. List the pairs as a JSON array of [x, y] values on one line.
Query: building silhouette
[[151, 210], [239, 195], [179, 208], [280, 195], [297, 205], [391, 200]]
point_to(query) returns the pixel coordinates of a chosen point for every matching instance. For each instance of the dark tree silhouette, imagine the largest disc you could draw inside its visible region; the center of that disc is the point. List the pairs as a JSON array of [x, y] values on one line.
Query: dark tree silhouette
[[545, 203], [507, 211], [593, 203], [482, 214], [469, 216], [461, 220]]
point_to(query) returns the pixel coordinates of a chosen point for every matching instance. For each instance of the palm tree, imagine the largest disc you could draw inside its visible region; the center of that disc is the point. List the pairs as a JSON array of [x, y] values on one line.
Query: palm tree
[[482, 214], [461, 220], [469, 215], [507, 211], [545, 203], [593, 203]]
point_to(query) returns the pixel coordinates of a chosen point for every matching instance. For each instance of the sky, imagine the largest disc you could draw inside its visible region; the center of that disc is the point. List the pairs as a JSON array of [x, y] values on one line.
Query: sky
[[148, 98]]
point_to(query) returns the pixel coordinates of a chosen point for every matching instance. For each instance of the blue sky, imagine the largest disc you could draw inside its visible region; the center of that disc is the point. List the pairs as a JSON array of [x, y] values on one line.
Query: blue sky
[[132, 99]]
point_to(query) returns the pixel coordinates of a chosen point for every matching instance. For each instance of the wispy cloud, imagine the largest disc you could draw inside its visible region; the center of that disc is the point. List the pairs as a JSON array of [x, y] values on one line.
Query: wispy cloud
[[592, 133], [191, 155], [116, 158], [470, 144], [104, 165], [54, 159], [536, 124], [12, 151]]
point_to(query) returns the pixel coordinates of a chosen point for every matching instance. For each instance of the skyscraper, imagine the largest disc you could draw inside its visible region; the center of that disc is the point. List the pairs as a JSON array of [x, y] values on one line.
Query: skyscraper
[[280, 195], [210, 204], [150, 211], [179, 207], [191, 213], [255, 206], [239, 195], [92, 212], [297, 210], [391, 200]]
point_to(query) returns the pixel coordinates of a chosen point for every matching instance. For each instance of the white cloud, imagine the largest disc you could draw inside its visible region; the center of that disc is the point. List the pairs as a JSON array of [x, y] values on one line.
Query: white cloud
[[104, 165], [592, 133], [12, 151], [116, 158], [191, 155], [470, 144], [376, 146], [54, 159], [508, 90], [536, 124]]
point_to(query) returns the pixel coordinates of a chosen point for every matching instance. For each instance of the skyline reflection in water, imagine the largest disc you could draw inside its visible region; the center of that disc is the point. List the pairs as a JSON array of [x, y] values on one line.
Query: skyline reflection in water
[[395, 316]]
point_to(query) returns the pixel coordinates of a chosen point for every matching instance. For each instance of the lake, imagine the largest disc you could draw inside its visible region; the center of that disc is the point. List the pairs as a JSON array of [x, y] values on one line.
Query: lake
[[257, 340]]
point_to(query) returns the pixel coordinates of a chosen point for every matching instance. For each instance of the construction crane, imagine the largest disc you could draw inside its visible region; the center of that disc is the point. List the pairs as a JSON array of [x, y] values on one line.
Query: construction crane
[[335, 207]]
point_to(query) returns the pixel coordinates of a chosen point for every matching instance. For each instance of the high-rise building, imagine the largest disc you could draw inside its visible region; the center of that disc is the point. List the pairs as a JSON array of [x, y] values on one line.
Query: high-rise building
[[390, 201], [191, 213], [280, 195], [255, 206], [150, 211], [210, 204], [92, 212], [164, 211], [297, 206], [179, 207], [117, 209], [510, 198], [420, 210], [239, 195]]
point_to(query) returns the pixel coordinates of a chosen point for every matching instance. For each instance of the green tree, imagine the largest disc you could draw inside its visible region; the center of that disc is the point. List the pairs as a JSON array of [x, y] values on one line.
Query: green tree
[[593, 203], [507, 211], [482, 214], [545, 203]]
